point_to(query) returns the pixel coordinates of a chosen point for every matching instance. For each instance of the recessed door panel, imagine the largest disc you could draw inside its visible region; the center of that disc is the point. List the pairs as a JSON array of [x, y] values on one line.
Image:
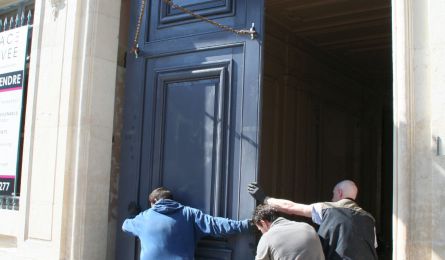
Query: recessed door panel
[[191, 140], [168, 22]]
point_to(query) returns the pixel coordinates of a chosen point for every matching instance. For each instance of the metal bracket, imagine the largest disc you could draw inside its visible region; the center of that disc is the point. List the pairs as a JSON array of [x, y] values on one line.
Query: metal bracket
[[252, 32], [136, 51], [56, 6]]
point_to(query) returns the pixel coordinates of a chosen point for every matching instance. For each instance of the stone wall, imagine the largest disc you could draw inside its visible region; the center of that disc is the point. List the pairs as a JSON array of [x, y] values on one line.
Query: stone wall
[[418, 51], [68, 132]]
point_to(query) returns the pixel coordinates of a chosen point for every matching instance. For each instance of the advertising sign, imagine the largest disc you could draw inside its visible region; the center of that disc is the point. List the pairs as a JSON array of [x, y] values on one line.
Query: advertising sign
[[12, 66]]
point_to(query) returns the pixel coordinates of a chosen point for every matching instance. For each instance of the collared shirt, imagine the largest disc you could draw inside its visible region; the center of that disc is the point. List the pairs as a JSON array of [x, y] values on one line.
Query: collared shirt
[[289, 240]]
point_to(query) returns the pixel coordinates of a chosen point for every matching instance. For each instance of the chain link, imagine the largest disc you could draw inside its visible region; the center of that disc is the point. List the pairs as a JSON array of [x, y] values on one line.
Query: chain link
[[250, 32], [135, 48]]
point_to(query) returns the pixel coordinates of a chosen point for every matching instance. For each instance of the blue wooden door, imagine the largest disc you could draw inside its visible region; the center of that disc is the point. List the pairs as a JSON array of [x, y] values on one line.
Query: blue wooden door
[[191, 119]]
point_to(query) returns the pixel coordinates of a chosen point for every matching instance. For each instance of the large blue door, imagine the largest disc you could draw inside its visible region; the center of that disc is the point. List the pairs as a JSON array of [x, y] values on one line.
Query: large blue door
[[191, 119]]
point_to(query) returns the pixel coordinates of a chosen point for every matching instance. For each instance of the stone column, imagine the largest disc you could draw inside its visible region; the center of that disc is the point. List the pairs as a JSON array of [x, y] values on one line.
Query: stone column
[[419, 95], [68, 131], [436, 17]]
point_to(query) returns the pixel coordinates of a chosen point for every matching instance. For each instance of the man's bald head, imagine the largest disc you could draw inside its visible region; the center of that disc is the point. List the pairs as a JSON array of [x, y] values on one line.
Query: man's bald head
[[344, 189]]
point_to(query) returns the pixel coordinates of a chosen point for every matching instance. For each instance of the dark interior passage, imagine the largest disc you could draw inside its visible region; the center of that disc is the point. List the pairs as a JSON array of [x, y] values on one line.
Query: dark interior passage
[[327, 104]]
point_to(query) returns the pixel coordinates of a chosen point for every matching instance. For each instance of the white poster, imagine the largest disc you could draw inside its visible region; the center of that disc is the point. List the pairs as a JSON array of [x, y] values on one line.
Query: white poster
[[12, 65]]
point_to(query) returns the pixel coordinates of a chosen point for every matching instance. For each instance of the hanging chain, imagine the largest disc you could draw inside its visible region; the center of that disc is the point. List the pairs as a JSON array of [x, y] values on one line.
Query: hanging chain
[[135, 48], [250, 32]]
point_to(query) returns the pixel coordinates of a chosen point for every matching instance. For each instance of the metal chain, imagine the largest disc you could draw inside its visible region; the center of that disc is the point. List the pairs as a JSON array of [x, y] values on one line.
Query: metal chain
[[250, 32], [135, 48]]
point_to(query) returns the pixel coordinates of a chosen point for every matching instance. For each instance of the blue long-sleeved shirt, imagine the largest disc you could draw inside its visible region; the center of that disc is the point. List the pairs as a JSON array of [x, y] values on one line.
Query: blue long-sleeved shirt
[[170, 230]]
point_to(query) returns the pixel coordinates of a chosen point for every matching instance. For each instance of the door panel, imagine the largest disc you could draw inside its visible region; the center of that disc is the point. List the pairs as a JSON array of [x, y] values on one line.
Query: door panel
[[192, 108], [191, 116], [167, 22]]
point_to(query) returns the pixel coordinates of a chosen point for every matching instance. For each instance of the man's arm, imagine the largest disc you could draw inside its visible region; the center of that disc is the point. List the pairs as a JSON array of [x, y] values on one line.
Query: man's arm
[[131, 223], [282, 205], [290, 207], [262, 250], [217, 226]]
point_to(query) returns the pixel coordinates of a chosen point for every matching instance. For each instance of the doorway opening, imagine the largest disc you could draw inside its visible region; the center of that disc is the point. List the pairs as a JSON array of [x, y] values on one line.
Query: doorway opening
[[327, 104]]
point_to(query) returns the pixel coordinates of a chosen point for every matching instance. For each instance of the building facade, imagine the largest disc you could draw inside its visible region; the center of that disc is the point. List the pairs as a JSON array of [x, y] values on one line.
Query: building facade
[[71, 202]]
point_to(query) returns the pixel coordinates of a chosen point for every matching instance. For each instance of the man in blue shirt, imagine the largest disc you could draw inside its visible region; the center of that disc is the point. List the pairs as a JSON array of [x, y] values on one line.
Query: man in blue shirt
[[170, 230]]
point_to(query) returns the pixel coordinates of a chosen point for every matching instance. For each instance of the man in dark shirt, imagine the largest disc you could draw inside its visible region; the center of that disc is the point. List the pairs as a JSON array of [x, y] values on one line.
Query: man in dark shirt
[[346, 230]]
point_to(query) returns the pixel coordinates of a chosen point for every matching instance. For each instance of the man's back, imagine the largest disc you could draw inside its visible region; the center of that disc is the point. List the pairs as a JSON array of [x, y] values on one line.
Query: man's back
[[170, 230], [289, 240], [347, 231], [164, 232]]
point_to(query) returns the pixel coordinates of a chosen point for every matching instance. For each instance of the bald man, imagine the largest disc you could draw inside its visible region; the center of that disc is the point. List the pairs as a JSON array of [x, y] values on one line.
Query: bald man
[[346, 231]]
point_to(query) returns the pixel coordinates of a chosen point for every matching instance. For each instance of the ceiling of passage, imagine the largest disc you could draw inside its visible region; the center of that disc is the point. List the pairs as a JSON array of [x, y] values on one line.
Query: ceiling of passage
[[357, 32]]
